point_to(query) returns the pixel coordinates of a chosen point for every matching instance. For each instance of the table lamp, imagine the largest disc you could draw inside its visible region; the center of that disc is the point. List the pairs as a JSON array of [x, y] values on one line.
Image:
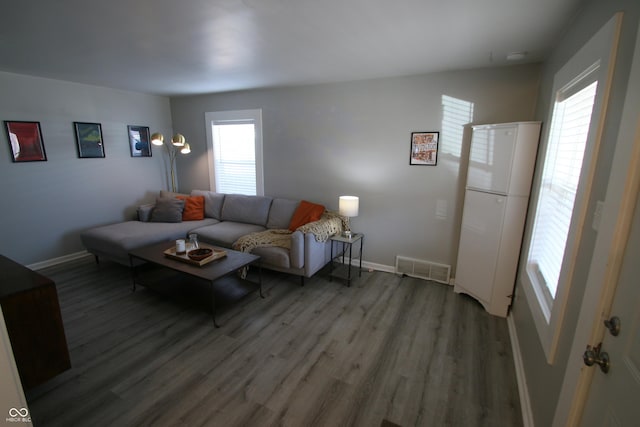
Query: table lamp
[[348, 207]]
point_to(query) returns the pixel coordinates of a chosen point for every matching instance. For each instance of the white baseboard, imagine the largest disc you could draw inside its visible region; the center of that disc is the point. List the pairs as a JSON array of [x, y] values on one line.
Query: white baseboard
[[371, 266], [55, 261], [523, 390], [378, 267], [366, 265], [78, 255]]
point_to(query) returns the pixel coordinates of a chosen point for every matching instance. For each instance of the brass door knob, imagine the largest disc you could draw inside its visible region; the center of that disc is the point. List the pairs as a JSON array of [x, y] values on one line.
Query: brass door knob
[[593, 356]]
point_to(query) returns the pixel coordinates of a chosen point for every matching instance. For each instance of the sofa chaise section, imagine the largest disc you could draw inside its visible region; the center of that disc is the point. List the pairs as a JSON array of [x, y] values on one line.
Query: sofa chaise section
[[114, 241]]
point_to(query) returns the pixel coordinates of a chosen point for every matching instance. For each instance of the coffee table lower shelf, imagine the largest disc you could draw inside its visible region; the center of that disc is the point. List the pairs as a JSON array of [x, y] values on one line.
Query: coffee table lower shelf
[[220, 276]]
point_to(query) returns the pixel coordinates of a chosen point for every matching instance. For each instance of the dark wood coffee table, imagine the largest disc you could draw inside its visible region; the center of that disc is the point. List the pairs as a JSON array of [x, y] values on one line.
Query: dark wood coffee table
[[221, 274]]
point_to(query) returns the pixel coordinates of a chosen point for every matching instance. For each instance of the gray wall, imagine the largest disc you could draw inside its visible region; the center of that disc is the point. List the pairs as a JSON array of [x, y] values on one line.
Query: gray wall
[[323, 141], [544, 380], [46, 204]]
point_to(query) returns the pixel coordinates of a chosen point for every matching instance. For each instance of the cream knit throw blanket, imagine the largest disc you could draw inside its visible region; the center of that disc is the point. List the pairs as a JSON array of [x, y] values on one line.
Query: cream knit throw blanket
[[329, 224]]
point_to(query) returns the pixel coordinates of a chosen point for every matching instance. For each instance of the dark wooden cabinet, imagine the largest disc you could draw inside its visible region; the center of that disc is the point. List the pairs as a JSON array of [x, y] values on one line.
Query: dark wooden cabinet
[[32, 314]]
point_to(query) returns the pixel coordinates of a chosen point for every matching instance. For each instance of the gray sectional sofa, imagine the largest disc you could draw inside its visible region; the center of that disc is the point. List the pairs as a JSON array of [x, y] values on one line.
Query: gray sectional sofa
[[228, 217]]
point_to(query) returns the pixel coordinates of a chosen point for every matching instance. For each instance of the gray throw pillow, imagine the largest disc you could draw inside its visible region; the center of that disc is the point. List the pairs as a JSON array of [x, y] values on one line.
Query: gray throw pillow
[[167, 209], [144, 212]]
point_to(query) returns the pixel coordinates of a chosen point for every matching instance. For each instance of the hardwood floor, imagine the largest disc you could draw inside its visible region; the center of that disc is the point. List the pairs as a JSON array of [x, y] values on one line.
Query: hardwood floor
[[388, 350]]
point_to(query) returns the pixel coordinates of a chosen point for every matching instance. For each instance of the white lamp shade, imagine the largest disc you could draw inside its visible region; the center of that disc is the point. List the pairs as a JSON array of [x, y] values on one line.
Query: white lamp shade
[[348, 206]]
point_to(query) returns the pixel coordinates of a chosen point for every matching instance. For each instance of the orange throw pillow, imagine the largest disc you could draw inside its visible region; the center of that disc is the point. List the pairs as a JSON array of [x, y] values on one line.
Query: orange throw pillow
[[305, 213], [193, 208]]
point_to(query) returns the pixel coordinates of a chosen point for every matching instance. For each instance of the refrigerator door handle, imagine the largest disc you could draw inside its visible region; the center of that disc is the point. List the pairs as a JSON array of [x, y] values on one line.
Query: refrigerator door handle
[[480, 190]]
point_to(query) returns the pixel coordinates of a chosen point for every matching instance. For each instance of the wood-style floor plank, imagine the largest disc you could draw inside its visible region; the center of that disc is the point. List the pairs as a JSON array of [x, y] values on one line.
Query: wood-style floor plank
[[387, 349]]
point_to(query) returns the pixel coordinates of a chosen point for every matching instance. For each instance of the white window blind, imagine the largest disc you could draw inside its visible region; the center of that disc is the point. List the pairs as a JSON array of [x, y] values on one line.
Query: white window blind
[[234, 157], [560, 178]]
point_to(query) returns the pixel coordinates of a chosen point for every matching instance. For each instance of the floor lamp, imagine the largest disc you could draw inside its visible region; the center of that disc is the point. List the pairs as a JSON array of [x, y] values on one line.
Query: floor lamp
[[178, 142]]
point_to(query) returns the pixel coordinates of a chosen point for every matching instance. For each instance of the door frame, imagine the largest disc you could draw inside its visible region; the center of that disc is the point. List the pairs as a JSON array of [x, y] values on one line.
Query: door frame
[[617, 216]]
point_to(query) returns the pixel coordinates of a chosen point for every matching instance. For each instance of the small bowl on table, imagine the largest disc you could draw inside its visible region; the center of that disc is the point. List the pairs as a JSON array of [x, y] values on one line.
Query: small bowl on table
[[199, 254]]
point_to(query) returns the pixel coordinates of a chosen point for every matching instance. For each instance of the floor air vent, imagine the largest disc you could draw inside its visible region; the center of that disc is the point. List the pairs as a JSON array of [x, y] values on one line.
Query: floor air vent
[[423, 269]]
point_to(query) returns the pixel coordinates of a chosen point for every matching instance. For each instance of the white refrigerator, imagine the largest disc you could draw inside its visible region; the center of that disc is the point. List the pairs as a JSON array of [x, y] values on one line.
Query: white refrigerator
[[501, 163]]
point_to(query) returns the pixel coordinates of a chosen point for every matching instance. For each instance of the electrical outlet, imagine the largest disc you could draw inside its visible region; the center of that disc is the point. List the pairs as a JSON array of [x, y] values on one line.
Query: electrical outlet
[[441, 209]]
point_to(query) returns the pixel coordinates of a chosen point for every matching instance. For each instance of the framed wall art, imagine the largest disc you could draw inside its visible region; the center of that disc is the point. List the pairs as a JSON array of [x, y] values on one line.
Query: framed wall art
[[424, 148], [139, 141], [25, 141], [89, 140]]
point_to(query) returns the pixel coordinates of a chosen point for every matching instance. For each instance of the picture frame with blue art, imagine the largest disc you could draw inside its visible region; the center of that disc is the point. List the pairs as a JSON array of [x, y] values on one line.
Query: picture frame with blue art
[[139, 141]]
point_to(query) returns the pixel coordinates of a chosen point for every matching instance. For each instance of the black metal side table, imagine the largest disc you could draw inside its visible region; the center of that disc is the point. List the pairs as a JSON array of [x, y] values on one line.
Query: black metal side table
[[345, 244]]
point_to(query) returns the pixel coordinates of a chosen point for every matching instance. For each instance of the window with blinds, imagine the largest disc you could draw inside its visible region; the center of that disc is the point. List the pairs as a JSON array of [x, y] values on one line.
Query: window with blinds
[[234, 142], [560, 178], [234, 158], [562, 192]]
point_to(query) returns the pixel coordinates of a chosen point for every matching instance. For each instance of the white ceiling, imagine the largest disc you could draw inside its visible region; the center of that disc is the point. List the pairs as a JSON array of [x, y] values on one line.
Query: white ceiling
[[173, 47]]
